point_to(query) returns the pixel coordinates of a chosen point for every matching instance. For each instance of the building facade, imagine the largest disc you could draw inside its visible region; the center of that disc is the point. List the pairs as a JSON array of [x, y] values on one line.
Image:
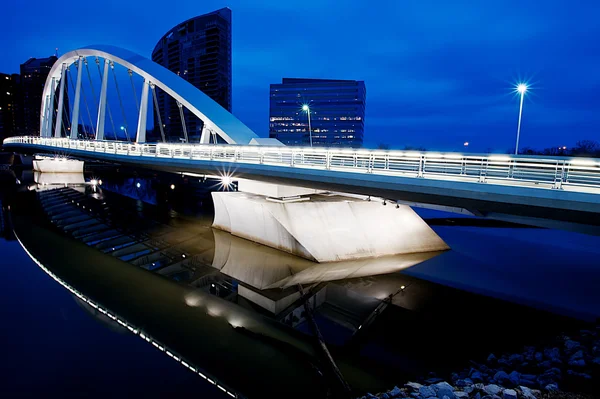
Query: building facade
[[10, 105], [34, 72], [337, 112], [198, 50]]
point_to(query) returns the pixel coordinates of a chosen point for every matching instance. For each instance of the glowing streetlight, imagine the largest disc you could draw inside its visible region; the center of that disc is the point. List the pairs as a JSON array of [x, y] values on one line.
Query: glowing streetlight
[[306, 109], [521, 89], [125, 129]]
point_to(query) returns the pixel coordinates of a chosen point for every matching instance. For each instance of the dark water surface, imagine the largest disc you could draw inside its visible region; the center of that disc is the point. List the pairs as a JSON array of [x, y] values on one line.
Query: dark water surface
[[127, 290]]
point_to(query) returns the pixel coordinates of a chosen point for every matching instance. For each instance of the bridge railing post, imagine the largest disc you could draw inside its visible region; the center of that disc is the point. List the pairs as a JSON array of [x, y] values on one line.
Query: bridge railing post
[[559, 175], [421, 166]]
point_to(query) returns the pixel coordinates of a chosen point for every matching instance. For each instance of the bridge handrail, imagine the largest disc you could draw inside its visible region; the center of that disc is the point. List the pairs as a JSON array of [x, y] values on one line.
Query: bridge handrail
[[556, 173]]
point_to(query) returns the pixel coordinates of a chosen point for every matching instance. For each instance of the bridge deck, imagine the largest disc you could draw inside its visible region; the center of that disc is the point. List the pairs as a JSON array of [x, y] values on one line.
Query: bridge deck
[[565, 189]]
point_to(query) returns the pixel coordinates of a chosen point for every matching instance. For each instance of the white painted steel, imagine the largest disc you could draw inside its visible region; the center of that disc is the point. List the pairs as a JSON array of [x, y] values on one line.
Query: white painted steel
[[75, 116], [61, 102], [577, 174], [143, 115], [215, 117], [102, 104]]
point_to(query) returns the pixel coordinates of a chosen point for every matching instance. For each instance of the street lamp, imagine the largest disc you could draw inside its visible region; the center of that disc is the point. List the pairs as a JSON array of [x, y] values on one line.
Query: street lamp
[[125, 129], [307, 110], [521, 89]]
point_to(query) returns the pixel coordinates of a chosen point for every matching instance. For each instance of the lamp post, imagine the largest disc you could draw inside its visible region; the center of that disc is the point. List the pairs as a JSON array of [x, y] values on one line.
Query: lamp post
[[306, 108], [125, 129], [521, 89]]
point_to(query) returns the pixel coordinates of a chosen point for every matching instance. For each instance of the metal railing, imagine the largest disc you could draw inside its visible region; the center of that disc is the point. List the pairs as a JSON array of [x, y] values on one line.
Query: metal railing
[[580, 174]]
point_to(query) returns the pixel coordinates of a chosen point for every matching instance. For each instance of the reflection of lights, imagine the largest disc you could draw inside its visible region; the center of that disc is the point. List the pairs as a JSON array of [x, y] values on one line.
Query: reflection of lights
[[172, 187], [183, 255], [138, 185], [359, 327], [93, 182], [193, 300], [122, 322], [100, 182], [402, 287]]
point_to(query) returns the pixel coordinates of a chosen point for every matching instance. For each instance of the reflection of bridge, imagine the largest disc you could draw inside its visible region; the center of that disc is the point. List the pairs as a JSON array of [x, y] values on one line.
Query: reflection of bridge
[[559, 192]]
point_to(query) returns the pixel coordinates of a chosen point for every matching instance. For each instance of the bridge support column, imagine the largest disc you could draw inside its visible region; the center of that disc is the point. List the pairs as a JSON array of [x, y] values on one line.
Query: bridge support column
[[325, 228], [61, 101], [143, 116], [75, 116], [102, 104]]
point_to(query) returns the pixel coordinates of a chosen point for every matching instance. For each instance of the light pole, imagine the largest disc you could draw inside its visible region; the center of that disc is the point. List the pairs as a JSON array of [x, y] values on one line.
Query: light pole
[[307, 109], [125, 129], [521, 89]]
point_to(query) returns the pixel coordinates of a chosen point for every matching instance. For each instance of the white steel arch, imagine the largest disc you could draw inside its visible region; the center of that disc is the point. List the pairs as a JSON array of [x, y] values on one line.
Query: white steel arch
[[215, 117]]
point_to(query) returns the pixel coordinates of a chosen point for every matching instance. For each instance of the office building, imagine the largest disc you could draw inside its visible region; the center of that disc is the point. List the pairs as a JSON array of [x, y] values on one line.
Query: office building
[[10, 99], [198, 50], [34, 72], [337, 112]]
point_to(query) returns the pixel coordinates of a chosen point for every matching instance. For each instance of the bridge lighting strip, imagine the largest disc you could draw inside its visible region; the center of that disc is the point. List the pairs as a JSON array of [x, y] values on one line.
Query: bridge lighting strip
[[124, 323]]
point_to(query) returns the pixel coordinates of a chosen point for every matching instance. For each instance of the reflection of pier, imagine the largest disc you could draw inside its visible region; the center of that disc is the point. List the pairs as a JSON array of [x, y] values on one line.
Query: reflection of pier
[[217, 262]]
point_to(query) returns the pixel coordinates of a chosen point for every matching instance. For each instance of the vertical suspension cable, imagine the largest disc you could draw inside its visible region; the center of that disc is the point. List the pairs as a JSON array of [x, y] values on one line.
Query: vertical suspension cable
[[137, 103], [112, 123], [185, 135], [157, 112], [112, 67], [88, 112]]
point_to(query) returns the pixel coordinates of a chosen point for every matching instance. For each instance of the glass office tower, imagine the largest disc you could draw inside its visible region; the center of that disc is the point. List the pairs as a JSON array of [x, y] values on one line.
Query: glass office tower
[[337, 112], [198, 50]]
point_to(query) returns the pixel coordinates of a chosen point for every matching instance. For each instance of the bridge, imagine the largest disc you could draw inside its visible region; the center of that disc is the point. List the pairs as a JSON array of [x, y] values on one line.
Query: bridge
[[550, 192]]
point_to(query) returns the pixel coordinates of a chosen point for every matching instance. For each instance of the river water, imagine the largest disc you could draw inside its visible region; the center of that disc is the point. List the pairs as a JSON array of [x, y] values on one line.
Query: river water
[[123, 288]]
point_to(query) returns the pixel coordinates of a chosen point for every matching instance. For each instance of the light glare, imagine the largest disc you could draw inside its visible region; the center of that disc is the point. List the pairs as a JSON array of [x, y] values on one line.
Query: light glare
[[522, 88]]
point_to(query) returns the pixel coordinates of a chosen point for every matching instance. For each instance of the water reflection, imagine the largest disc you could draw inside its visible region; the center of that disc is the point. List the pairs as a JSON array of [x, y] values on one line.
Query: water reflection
[[229, 309]]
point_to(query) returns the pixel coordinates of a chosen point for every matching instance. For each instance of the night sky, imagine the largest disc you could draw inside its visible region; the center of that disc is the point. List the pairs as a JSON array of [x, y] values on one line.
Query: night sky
[[437, 73]]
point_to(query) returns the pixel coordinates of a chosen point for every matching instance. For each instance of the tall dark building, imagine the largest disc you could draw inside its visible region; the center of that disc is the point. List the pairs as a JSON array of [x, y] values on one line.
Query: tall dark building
[[10, 105], [33, 77], [198, 50], [337, 112]]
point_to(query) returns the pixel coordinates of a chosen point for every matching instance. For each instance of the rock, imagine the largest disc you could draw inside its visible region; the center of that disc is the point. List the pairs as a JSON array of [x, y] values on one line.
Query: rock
[[509, 394], [491, 358], [445, 393], [577, 374], [552, 387], [553, 354], [415, 395], [413, 385], [443, 385], [433, 380], [577, 363], [596, 361], [476, 376], [577, 355], [545, 364], [503, 362], [385, 396], [501, 377], [426, 392], [464, 383], [526, 392], [492, 389], [515, 378], [538, 356], [479, 387], [468, 389], [477, 396], [370, 395], [394, 393], [526, 382], [516, 358], [571, 345], [461, 395]]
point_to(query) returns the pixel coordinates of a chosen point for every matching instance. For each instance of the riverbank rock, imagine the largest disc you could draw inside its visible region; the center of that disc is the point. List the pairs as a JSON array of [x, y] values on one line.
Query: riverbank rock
[[509, 394]]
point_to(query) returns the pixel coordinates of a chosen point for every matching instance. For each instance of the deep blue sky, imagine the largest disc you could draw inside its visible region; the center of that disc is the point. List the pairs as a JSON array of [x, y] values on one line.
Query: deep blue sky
[[437, 73]]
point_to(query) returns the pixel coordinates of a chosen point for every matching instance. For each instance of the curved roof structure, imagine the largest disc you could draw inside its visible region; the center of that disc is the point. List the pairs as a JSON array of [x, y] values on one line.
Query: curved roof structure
[[215, 117]]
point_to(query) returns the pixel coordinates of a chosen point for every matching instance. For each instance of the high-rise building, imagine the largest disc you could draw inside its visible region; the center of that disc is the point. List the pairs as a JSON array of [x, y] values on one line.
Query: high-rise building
[[337, 112], [10, 105], [198, 50], [34, 72]]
